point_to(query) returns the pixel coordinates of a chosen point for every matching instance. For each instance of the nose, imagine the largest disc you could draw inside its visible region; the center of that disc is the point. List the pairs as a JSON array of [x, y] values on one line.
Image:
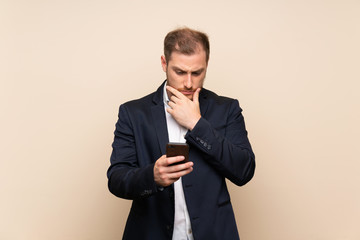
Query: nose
[[188, 81]]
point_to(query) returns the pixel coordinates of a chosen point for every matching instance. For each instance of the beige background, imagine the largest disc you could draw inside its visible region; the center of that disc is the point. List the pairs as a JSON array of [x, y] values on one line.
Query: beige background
[[66, 66]]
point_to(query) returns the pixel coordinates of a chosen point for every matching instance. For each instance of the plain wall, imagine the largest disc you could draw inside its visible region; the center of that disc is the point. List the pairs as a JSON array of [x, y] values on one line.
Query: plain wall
[[66, 66]]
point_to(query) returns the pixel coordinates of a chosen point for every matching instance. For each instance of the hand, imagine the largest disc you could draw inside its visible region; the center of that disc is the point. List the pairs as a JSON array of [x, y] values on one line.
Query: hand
[[183, 110], [165, 175]]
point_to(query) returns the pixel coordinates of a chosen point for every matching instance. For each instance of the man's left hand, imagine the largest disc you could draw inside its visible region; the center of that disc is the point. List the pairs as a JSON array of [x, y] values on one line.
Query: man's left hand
[[182, 109]]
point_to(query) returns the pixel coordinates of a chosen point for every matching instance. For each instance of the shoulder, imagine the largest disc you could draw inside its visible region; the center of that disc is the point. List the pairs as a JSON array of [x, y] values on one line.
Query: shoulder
[[219, 105], [154, 98], [136, 110], [143, 101], [214, 98]]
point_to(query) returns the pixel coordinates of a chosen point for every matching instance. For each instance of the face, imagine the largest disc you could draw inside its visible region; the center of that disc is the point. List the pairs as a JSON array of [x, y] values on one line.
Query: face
[[185, 73]]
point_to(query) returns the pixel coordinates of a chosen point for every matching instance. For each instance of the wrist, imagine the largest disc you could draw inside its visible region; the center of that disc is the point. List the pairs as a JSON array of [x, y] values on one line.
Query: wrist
[[194, 123]]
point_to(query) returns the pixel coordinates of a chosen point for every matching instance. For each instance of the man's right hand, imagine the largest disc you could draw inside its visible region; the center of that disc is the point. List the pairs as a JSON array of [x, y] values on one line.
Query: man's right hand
[[165, 175]]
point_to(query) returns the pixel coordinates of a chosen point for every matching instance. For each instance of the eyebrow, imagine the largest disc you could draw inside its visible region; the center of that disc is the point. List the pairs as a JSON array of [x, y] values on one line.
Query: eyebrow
[[179, 69]]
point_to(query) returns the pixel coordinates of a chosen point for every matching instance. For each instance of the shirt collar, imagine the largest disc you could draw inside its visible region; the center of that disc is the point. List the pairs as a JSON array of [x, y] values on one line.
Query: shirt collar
[[165, 96]]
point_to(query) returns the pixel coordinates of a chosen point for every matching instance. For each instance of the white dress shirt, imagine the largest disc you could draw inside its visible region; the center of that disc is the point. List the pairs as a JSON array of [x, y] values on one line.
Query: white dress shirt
[[182, 225]]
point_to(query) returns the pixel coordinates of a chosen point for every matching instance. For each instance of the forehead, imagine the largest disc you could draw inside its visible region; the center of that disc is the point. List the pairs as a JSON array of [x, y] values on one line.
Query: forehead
[[193, 61]]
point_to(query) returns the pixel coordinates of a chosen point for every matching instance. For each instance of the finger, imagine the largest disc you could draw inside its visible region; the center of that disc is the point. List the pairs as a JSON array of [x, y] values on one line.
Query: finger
[[174, 92], [174, 99], [180, 167], [170, 110], [172, 104], [172, 160], [162, 162], [196, 96], [177, 175], [163, 159]]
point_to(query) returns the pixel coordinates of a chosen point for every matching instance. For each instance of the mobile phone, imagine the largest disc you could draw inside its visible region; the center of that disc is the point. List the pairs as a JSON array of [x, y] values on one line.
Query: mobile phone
[[177, 149]]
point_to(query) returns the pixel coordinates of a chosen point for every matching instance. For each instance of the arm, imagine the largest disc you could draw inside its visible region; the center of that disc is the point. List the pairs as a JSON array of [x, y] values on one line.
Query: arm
[[230, 153], [126, 179], [130, 177]]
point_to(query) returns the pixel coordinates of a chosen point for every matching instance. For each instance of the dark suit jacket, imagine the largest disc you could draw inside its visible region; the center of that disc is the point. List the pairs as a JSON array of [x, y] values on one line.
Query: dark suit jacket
[[219, 148]]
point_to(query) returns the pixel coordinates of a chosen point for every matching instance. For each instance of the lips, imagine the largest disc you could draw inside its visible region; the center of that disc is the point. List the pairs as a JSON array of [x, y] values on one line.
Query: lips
[[187, 92]]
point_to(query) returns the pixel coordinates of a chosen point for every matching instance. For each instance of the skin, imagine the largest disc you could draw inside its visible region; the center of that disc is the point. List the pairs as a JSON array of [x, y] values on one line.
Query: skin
[[185, 78]]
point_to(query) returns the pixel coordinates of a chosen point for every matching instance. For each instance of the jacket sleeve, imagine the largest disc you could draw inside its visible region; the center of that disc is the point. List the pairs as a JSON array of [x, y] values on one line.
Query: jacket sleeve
[[229, 152], [126, 179]]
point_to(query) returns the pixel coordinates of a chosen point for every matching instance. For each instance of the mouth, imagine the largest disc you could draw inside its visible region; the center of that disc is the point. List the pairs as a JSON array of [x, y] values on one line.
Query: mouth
[[187, 92]]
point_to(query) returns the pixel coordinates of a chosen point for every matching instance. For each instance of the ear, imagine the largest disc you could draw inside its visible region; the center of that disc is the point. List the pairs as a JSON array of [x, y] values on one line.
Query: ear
[[163, 63]]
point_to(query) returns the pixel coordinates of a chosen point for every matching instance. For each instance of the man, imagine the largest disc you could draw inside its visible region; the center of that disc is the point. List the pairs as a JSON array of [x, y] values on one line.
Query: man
[[188, 200]]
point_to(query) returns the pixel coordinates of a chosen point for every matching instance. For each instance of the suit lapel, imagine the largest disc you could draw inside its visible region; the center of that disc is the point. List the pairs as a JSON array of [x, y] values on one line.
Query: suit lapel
[[203, 102], [159, 119]]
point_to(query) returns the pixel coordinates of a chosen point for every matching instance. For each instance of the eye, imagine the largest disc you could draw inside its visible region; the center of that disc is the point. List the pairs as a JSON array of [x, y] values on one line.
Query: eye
[[180, 72], [196, 73]]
